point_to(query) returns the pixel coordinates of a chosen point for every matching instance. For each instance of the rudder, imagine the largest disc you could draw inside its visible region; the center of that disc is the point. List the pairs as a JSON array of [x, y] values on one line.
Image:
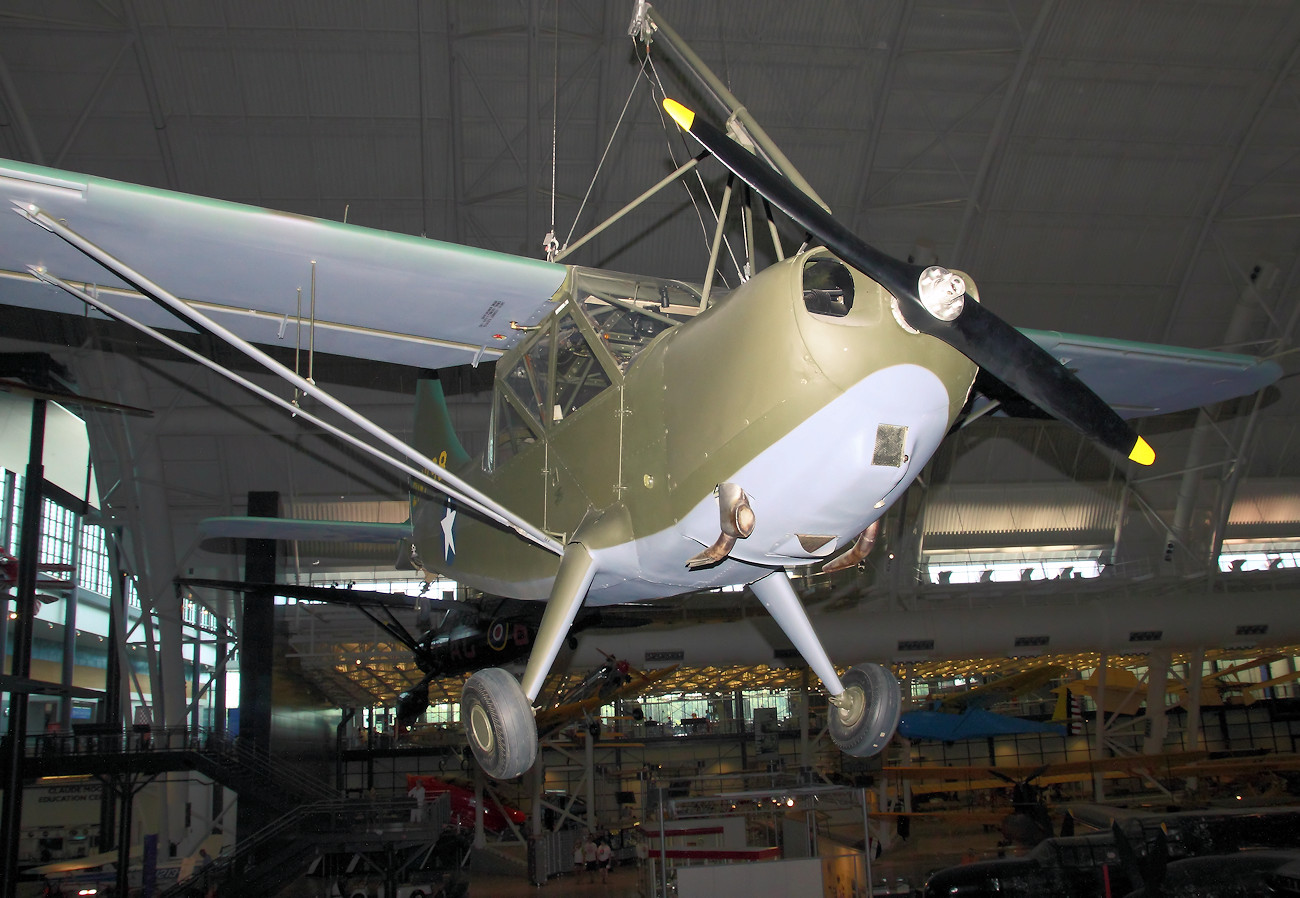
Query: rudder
[[434, 435]]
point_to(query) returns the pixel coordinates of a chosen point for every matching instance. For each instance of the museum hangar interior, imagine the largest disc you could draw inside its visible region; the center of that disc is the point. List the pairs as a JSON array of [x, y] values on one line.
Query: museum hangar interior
[[1116, 170]]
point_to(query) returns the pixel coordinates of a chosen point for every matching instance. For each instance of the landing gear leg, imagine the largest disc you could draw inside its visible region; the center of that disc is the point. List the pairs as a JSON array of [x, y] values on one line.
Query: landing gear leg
[[497, 710], [866, 704]]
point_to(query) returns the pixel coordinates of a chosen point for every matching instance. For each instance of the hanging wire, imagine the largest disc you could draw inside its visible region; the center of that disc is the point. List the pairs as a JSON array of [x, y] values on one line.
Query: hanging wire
[[658, 82], [555, 122], [636, 82]]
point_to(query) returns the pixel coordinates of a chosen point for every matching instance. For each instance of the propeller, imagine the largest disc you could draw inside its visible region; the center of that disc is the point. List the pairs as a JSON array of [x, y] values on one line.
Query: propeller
[[933, 300]]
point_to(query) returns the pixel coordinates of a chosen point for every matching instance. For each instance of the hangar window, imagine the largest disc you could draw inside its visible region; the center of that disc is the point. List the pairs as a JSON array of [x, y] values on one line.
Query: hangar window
[[1243, 556], [1022, 564]]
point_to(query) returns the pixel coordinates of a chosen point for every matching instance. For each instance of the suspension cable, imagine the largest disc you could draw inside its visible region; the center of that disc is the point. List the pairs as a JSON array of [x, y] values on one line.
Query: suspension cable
[[704, 228], [636, 82]]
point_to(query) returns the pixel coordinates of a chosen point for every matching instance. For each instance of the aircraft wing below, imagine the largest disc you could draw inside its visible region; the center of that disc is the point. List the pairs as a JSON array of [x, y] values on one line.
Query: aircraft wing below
[[1139, 380], [238, 527], [379, 295], [337, 595]]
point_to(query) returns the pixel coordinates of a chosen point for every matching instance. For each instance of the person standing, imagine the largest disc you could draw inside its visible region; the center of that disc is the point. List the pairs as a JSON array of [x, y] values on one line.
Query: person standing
[[419, 793], [589, 857], [578, 863], [604, 859]]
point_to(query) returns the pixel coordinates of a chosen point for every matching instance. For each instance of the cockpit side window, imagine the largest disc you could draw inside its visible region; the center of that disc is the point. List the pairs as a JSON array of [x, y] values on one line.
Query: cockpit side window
[[624, 328], [581, 373], [827, 288], [531, 377], [512, 432]]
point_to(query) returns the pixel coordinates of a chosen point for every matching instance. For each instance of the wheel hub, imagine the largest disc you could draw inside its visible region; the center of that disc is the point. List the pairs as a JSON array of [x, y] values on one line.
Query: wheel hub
[[851, 706], [480, 728]]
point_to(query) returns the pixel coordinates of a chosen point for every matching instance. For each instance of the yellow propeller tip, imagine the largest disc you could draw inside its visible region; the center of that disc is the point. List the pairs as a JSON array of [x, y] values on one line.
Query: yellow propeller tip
[[680, 114], [1142, 452]]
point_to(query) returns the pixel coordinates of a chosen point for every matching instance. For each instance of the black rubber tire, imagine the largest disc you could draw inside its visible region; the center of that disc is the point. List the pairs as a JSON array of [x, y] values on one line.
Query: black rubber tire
[[868, 733], [499, 723]]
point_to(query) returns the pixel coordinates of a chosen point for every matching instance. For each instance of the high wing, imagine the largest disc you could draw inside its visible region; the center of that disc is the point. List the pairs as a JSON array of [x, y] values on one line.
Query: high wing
[[1139, 380], [409, 300], [378, 295]]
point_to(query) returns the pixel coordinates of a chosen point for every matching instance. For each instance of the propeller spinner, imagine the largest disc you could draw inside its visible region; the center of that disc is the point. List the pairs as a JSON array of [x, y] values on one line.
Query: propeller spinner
[[934, 301]]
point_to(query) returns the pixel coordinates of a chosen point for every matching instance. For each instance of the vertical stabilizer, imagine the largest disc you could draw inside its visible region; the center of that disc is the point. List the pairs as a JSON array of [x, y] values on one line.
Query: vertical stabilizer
[[434, 435]]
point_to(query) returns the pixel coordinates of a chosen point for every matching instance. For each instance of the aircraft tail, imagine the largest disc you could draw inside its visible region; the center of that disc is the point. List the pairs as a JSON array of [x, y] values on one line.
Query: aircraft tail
[[434, 434]]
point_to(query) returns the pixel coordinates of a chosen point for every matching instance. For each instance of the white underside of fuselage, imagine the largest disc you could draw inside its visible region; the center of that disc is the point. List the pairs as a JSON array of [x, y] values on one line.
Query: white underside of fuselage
[[818, 480]]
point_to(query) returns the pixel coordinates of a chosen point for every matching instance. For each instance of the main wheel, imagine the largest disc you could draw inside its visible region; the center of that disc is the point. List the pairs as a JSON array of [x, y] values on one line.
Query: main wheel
[[499, 723], [864, 722]]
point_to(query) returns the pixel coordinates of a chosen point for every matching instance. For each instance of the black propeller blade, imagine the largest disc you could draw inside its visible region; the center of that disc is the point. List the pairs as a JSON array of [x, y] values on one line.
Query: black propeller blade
[[934, 301]]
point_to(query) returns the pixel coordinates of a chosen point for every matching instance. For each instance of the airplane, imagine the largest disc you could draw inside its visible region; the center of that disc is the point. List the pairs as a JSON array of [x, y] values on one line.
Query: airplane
[[613, 680], [97, 873], [1204, 853], [650, 438], [996, 690], [1125, 694], [468, 637], [497, 817], [9, 573]]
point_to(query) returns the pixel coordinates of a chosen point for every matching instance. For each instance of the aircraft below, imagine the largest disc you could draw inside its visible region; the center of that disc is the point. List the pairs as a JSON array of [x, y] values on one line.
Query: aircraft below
[[497, 817], [649, 438], [466, 637], [1210, 854]]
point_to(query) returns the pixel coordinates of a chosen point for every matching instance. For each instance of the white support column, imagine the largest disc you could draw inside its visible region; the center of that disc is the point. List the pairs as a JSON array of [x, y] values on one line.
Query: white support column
[[805, 744], [1157, 687], [1195, 670], [589, 771], [1098, 782], [480, 838]]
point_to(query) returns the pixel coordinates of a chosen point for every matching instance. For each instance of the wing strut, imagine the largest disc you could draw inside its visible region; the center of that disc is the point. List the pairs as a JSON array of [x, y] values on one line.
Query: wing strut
[[458, 489]]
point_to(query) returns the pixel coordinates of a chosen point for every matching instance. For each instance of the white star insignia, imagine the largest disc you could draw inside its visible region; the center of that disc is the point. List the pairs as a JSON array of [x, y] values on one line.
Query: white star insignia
[[449, 534]]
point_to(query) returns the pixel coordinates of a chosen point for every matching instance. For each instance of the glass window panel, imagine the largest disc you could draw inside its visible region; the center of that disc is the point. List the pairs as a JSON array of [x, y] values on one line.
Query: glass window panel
[[58, 524], [579, 376], [530, 379], [92, 563], [510, 435], [624, 329]]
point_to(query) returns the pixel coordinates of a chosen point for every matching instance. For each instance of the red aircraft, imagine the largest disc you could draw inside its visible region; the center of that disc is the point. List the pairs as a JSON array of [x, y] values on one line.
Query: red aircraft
[[463, 804], [9, 573]]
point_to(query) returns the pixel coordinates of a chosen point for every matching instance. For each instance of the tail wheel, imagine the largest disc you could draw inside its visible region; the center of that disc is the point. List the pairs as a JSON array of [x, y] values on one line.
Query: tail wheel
[[865, 719], [499, 723]]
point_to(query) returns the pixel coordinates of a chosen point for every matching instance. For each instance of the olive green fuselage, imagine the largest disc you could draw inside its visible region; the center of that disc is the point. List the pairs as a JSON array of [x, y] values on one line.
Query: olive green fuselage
[[822, 419]]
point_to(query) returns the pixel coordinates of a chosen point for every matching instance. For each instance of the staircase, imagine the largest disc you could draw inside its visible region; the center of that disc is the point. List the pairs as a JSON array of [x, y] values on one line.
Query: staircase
[[281, 852]]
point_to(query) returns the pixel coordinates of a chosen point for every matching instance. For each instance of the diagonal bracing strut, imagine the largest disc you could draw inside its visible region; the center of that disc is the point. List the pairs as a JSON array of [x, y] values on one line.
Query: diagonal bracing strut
[[466, 493]]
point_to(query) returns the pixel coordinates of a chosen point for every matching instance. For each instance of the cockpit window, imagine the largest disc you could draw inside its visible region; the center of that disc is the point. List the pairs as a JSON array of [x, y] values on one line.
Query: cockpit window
[[511, 432], [589, 343], [827, 288], [624, 329], [628, 313], [579, 375], [530, 378]]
